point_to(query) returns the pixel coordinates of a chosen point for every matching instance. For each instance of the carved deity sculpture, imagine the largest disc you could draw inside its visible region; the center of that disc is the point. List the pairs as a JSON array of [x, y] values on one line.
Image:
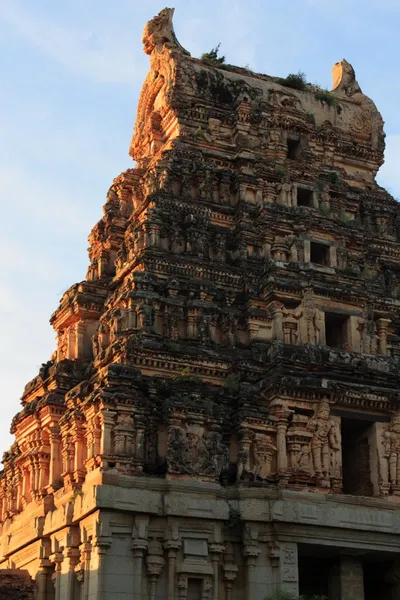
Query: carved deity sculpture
[[124, 435], [255, 457], [324, 440], [311, 320], [368, 329], [392, 452], [286, 192], [203, 327], [193, 451]]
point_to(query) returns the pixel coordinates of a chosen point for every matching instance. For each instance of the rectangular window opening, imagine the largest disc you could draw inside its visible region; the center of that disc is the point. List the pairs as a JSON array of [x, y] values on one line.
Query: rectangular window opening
[[319, 253], [356, 457], [304, 197], [336, 330], [293, 148]]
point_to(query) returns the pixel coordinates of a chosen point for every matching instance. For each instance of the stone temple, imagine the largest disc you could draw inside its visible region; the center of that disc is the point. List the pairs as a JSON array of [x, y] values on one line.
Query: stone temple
[[221, 417]]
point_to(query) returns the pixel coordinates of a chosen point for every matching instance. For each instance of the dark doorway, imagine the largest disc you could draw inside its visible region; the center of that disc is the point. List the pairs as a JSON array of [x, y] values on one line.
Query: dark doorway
[[356, 466], [336, 330], [293, 148], [314, 576], [304, 197], [319, 253], [376, 585]]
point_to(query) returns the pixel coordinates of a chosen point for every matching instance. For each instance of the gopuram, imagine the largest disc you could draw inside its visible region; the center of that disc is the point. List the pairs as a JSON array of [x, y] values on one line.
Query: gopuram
[[221, 417]]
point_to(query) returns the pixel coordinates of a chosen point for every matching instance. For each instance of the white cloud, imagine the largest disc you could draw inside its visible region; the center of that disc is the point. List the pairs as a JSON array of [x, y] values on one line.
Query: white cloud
[[105, 58]]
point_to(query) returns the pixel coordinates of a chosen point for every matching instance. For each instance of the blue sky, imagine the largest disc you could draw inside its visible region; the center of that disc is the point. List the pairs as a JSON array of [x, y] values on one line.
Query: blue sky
[[71, 73]]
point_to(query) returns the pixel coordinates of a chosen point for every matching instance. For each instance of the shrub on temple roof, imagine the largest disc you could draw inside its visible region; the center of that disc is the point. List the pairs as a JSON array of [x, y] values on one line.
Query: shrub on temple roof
[[328, 98], [296, 81], [212, 56]]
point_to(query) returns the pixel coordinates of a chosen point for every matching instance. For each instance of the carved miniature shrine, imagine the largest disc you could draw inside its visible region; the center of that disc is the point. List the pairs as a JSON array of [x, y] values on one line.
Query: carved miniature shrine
[[221, 417]]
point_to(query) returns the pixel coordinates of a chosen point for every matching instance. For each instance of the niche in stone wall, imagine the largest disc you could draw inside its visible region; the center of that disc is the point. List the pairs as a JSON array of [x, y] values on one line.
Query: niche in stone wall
[[305, 197], [319, 253], [356, 437], [293, 147], [336, 330]]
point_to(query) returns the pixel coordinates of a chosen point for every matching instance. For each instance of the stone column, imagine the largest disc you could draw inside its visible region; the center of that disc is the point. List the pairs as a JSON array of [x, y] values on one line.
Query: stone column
[[251, 552], [86, 550], [172, 546], [307, 251], [382, 327], [230, 571], [41, 579], [80, 340], [216, 550], [57, 559], [155, 563], [101, 545], [139, 547], [72, 556], [107, 425], [282, 414], [288, 568], [347, 580], [55, 457]]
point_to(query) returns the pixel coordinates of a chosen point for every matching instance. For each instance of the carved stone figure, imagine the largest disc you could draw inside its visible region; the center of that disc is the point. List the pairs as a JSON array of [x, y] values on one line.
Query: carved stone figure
[[311, 320], [323, 442], [286, 192], [195, 451], [392, 452]]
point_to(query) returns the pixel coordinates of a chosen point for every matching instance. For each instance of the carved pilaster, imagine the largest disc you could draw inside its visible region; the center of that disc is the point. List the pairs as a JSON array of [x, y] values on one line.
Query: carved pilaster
[[230, 570], [172, 546], [155, 563]]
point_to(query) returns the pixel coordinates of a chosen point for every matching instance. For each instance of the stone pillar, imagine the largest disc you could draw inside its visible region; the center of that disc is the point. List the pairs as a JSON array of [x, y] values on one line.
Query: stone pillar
[[382, 327], [80, 340], [86, 550], [251, 552], [107, 425], [101, 545], [172, 546], [55, 458], [288, 568], [332, 257], [307, 251], [216, 550], [283, 416], [79, 457], [347, 580], [155, 563], [139, 547], [57, 559], [230, 571], [72, 559], [41, 579]]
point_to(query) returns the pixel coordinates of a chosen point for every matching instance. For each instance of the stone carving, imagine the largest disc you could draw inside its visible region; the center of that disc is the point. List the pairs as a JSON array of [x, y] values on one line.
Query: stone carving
[[256, 457], [390, 468], [324, 442], [287, 193], [311, 320], [192, 450]]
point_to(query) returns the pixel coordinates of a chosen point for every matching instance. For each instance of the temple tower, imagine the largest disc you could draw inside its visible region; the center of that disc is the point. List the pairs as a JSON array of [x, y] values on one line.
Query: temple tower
[[221, 416]]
